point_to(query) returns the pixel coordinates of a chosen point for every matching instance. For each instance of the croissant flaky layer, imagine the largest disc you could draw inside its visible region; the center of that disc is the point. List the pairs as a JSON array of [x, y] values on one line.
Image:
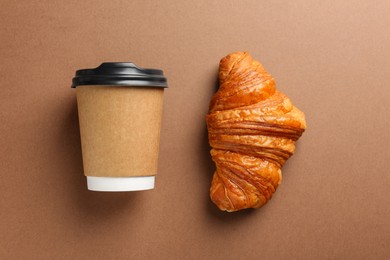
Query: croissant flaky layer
[[252, 131]]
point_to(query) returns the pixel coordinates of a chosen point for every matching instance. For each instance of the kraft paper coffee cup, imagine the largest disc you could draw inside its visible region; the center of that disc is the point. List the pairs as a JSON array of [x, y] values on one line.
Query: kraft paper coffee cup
[[120, 108]]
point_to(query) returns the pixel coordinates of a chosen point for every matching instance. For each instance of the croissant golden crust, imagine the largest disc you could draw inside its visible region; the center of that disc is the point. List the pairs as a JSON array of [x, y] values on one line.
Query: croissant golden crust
[[252, 131]]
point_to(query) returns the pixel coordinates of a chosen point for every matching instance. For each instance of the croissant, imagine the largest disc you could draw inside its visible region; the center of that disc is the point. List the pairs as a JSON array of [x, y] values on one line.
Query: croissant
[[252, 129]]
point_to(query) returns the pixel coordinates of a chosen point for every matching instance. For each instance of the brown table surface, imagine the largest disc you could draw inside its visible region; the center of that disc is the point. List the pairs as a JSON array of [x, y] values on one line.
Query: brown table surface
[[332, 58]]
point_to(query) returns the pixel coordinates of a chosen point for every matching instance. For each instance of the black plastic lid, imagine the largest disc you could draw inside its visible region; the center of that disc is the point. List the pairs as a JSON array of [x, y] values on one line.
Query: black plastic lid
[[120, 74]]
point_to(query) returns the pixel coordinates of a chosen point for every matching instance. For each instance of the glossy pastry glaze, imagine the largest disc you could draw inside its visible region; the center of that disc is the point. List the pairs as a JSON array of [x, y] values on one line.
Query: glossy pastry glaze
[[252, 131]]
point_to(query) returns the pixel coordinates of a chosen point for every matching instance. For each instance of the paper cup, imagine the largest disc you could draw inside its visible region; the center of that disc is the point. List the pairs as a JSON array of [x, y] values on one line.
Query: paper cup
[[120, 127]]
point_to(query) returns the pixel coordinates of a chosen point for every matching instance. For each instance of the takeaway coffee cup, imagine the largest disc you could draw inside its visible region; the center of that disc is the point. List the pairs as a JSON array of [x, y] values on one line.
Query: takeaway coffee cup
[[120, 108]]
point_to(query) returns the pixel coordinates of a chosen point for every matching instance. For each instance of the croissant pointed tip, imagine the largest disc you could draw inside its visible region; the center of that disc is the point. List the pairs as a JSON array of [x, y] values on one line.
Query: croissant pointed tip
[[234, 56]]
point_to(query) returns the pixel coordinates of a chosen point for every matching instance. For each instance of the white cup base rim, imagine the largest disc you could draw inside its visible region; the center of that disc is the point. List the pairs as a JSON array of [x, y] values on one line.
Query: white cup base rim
[[120, 183]]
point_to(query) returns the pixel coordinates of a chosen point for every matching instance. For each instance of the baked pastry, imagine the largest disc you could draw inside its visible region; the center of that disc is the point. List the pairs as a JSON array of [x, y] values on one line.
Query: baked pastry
[[252, 130]]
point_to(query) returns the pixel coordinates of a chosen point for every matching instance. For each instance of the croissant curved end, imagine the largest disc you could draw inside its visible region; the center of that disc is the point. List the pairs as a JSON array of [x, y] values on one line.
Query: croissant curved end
[[252, 130]]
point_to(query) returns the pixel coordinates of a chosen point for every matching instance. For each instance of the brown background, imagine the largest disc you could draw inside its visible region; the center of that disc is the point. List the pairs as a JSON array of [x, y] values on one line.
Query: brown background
[[332, 58]]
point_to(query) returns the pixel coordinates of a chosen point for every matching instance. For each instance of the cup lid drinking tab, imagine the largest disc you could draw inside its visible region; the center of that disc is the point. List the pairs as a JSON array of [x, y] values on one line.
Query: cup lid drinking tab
[[120, 74]]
